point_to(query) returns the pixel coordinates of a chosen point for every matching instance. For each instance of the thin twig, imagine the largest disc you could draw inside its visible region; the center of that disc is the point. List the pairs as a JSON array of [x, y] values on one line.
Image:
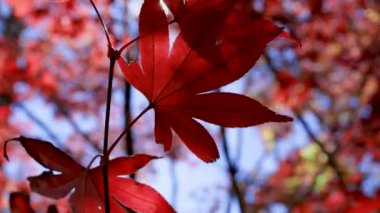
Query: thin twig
[[38, 121], [76, 128], [129, 43], [232, 170], [173, 175], [127, 116], [299, 196], [330, 155], [102, 23], [240, 133]]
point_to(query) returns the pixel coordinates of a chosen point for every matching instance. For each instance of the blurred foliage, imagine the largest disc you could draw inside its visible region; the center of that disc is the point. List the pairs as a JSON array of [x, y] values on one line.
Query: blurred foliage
[[55, 51]]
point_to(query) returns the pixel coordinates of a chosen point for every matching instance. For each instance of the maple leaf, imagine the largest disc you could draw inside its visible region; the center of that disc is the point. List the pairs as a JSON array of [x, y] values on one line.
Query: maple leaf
[[195, 17], [202, 22], [175, 82], [88, 183]]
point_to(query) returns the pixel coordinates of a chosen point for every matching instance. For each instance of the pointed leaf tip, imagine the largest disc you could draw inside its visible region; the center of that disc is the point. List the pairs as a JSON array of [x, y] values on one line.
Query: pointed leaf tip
[[283, 118], [5, 154], [47, 154], [128, 165]]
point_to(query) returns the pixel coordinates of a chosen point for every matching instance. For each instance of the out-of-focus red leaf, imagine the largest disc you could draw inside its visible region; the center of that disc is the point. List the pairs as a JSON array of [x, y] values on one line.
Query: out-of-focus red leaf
[[19, 202], [172, 81], [21, 8], [336, 201], [5, 111], [315, 6], [293, 92], [88, 184], [365, 204]]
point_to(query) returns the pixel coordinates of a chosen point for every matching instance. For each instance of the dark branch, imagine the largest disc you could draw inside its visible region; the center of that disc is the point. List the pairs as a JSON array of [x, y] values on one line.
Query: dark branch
[[330, 155]]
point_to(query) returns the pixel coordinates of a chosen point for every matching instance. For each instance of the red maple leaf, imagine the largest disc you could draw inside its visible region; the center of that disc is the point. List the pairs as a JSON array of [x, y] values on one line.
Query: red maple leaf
[[202, 22], [195, 17], [88, 183], [175, 81]]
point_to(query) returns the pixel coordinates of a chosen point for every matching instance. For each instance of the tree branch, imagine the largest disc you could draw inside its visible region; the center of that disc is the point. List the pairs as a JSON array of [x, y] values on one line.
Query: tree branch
[[39, 122], [330, 155], [173, 175], [75, 126], [127, 116], [232, 170]]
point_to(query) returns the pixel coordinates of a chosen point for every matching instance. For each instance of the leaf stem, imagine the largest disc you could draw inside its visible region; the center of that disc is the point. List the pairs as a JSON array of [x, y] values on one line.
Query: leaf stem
[[129, 43], [102, 22], [128, 128]]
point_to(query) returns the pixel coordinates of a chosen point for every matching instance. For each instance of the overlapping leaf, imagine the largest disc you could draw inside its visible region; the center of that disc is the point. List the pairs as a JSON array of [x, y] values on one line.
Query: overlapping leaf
[[195, 17], [175, 81], [88, 184]]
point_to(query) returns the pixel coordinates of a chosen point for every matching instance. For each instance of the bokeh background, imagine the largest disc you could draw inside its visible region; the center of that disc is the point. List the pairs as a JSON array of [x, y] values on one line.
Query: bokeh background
[[53, 78]]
